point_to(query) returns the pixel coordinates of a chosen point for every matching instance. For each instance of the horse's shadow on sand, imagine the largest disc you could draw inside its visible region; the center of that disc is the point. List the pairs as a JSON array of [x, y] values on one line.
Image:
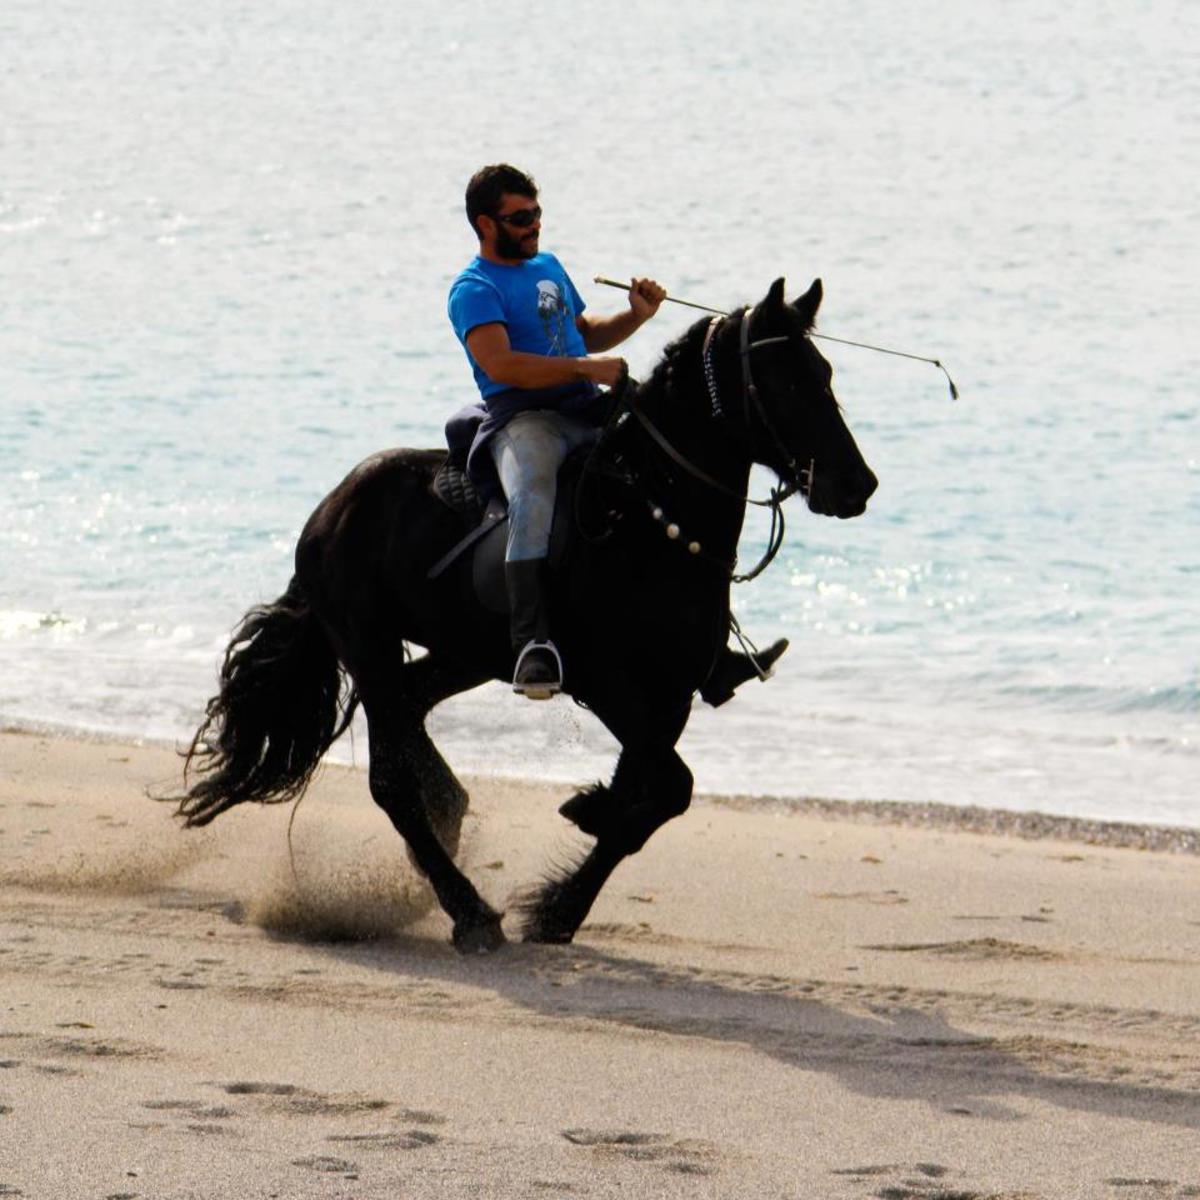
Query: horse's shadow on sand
[[874, 1044]]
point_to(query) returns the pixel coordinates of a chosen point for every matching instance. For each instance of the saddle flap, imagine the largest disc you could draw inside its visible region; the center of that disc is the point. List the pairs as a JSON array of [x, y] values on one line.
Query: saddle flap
[[487, 557]]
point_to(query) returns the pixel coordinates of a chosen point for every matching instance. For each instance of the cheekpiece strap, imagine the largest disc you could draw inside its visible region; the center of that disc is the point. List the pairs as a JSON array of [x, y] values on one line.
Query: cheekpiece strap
[[750, 391]]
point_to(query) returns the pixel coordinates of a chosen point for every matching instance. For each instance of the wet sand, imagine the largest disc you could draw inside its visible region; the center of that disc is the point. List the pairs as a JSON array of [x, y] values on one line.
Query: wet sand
[[818, 1001]]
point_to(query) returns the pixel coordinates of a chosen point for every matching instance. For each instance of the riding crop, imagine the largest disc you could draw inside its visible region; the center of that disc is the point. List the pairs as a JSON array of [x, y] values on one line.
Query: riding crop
[[937, 362]]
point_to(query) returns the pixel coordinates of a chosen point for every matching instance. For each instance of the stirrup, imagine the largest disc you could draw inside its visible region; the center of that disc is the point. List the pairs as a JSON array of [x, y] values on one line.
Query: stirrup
[[538, 688]]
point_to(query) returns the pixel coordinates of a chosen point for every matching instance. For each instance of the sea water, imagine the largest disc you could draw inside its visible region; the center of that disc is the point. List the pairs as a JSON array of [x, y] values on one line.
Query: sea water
[[226, 235]]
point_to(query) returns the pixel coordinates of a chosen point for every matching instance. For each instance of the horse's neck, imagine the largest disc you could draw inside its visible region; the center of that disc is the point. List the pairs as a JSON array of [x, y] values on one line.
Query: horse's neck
[[678, 404]]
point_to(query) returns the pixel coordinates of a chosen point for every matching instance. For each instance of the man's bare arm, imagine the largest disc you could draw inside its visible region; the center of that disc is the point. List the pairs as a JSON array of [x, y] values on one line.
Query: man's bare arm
[[489, 346], [603, 333]]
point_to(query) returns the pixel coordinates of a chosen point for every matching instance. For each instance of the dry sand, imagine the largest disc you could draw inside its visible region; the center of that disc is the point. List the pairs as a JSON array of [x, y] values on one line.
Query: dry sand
[[764, 1003]]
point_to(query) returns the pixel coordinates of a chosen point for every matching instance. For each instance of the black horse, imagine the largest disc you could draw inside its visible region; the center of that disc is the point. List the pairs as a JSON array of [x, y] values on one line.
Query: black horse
[[640, 610]]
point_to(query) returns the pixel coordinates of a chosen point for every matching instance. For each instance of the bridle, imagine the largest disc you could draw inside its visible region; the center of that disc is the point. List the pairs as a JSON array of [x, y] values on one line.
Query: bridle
[[797, 479]]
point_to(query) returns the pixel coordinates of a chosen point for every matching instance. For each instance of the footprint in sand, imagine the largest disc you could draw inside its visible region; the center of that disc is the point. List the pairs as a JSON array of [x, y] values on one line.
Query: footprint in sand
[[981, 949], [921, 1181], [685, 1157], [260, 1089], [292, 1100], [193, 1108], [409, 1139], [99, 1047], [1155, 1185], [327, 1165], [418, 1116], [608, 1137]]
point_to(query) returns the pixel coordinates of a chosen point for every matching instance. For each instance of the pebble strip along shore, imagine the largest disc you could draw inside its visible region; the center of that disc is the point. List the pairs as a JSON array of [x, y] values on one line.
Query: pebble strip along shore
[[1030, 825]]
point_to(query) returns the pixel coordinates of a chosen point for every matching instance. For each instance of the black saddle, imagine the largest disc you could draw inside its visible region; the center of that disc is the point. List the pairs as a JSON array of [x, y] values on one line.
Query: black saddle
[[484, 544]]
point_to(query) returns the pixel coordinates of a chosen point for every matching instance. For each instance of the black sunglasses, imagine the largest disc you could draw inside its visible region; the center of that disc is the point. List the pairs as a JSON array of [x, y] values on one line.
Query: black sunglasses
[[522, 218]]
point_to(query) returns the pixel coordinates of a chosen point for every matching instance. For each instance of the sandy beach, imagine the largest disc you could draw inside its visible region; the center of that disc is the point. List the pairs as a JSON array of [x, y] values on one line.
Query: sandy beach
[[824, 1001]]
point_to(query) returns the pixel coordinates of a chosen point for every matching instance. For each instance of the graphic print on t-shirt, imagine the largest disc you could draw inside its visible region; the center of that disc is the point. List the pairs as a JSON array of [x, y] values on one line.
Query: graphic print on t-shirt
[[552, 309]]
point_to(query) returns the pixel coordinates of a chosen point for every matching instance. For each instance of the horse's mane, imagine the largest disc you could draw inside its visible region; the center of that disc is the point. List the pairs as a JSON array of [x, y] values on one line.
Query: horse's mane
[[672, 361], [678, 357]]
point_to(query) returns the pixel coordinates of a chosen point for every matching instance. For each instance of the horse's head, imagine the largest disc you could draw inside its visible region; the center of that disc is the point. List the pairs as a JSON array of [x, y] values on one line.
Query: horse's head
[[794, 421]]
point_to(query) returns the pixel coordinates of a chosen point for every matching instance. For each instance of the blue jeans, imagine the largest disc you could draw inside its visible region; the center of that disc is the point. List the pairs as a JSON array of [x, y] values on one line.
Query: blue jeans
[[528, 452]]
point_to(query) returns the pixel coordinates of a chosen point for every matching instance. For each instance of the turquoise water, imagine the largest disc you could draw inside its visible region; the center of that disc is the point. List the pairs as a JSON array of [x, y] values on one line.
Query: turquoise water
[[225, 241]]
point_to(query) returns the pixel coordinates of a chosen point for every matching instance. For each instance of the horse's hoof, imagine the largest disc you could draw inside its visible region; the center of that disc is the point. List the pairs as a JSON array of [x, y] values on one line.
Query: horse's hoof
[[481, 937]]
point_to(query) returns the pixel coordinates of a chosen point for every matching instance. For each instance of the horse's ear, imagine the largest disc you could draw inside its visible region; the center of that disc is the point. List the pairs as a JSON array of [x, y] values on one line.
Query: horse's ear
[[775, 295], [808, 304]]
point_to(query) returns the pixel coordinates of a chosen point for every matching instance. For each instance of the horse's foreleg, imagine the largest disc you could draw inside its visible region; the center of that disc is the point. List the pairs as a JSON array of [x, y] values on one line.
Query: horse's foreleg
[[642, 796], [647, 790], [400, 777]]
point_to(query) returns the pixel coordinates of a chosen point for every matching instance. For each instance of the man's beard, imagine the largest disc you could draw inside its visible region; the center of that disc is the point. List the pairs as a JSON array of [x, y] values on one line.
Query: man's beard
[[510, 246]]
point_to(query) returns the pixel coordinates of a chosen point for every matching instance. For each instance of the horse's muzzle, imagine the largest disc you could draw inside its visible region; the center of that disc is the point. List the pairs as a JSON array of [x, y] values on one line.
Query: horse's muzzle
[[840, 496]]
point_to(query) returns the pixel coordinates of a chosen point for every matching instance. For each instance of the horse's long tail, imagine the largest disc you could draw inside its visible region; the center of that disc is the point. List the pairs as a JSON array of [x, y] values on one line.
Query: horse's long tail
[[281, 705]]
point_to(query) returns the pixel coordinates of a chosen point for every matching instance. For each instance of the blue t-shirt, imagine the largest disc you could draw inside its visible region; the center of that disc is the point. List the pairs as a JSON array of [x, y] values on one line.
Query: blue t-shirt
[[535, 299]]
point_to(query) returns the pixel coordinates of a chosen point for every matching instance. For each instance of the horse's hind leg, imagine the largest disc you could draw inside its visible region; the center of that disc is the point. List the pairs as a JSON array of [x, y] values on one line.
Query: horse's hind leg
[[425, 683], [442, 797], [406, 772]]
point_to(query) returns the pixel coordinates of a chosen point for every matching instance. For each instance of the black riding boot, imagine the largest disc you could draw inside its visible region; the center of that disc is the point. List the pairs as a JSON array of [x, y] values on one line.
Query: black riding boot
[[538, 672], [732, 669]]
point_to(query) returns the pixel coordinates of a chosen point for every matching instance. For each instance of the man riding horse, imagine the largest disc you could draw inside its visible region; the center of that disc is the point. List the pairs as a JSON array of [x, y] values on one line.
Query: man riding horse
[[538, 359], [641, 610]]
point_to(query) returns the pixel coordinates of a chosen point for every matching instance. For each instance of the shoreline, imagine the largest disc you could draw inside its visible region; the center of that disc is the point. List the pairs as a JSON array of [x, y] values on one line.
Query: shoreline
[[967, 818]]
